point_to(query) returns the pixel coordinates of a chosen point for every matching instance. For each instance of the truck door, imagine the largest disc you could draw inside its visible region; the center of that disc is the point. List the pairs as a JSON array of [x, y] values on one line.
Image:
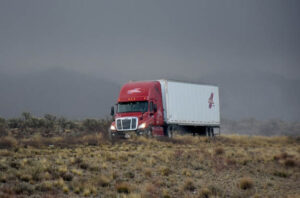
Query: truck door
[[153, 112]]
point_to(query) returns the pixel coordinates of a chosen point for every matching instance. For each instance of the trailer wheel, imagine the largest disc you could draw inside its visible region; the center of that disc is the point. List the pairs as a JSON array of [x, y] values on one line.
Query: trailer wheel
[[212, 132], [169, 132]]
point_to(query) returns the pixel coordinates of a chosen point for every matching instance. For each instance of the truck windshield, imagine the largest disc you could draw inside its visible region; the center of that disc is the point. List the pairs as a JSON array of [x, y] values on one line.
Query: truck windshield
[[141, 106]]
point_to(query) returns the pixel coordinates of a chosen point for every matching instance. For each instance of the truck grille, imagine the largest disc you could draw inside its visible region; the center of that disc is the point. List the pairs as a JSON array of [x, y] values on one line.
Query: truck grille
[[126, 124]]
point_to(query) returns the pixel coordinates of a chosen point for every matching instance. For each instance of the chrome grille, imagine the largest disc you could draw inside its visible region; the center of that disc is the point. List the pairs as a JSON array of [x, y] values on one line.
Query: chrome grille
[[126, 123], [119, 124], [133, 123]]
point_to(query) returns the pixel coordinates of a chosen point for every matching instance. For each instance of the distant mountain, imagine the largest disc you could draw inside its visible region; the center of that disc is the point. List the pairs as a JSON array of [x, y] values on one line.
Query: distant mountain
[[59, 92], [76, 95]]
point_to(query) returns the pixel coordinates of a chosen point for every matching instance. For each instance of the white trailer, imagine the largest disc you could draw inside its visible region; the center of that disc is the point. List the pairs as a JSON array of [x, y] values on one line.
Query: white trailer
[[191, 105]]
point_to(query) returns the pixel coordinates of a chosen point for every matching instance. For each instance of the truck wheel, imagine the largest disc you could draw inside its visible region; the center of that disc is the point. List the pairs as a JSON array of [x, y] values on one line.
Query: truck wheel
[[169, 132], [149, 132]]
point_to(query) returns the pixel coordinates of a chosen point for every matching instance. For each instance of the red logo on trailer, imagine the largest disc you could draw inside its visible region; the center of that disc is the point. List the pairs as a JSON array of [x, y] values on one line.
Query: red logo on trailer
[[211, 100]]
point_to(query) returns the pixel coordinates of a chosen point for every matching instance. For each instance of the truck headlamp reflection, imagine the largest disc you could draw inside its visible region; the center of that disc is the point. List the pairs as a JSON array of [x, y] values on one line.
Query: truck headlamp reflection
[[142, 126]]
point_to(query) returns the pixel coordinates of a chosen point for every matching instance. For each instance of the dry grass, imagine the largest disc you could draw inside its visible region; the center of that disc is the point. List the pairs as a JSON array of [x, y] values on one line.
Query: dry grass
[[123, 188], [219, 151], [183, 167], [189, 185], [8, 142]]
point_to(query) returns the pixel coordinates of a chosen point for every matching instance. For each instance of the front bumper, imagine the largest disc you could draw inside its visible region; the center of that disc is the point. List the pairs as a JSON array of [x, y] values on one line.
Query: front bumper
[[128, 134]]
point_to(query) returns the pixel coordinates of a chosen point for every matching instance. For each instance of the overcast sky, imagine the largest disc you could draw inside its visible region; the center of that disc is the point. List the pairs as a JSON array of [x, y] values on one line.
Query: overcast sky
[[133, 40]]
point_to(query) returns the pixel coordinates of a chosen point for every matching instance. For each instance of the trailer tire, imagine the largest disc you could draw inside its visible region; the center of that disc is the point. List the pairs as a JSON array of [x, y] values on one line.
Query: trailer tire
[[212, 132]]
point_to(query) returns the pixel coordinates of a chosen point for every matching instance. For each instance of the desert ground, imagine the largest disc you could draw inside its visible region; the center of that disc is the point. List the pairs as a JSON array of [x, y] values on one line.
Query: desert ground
[[185, 166]]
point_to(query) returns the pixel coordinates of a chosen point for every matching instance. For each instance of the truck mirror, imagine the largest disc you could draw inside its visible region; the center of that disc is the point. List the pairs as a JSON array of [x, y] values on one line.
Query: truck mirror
[[112, 111]]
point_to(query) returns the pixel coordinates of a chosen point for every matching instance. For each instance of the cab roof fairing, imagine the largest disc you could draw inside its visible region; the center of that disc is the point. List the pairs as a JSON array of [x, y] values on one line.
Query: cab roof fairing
[[136, 91]]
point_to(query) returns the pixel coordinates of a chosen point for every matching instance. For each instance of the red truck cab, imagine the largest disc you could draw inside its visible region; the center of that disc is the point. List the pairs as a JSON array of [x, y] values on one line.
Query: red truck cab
[[139, 109]]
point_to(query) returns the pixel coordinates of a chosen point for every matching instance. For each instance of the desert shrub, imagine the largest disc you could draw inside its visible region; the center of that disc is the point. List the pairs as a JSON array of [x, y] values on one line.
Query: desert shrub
[[123, 187], [62, 123], [3, 127], [148, 172], [37, 173], [280, 173], [290, 163], [49, 121], [72, 125], [23, 188], [83, 165], [14, 123], [215, 190], [60, 183], [53, 171], [165, 194], [3, 167], [25, 177], [151, 190], [3, 178], [35, 141], [219, 151], [92, 139], [7, 192], [245, 183], [129, 174], [189, 185], [284, 155], [230, 161], [67, 176], [91, 125], [204, 193], [15, 164], [78, 160], [166, 171], [8, 142], [26, 115], [103, 181], [76, 171], [36, 123]]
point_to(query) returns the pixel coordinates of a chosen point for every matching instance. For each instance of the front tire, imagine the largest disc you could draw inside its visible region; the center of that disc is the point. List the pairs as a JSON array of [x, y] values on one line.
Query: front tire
[[149, 132]]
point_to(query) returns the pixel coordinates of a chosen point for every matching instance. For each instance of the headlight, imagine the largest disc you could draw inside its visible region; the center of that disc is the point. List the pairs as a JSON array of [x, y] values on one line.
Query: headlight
[[142, 126], [112, 128]]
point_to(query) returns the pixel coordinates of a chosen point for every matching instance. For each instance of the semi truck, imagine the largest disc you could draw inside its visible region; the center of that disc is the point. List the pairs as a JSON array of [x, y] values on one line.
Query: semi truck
[[163, 107]]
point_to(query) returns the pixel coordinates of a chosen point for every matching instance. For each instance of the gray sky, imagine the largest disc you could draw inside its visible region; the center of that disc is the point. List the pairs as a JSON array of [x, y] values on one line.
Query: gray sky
[[187, 40]]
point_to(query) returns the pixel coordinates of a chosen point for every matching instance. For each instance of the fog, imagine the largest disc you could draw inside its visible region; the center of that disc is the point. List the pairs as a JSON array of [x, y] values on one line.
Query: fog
[[71, 57]]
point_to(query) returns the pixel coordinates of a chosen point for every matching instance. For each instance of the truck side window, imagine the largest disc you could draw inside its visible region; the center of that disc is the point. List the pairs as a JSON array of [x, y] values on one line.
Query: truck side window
[[154, 107], [151, 106]]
